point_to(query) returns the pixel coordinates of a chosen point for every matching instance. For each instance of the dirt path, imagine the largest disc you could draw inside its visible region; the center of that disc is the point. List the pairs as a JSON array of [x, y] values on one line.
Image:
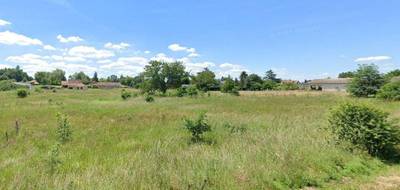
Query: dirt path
[[383, 183]]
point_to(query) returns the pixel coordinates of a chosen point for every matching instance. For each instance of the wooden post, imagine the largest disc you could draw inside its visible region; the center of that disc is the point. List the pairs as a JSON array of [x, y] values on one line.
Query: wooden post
[[16, 127]]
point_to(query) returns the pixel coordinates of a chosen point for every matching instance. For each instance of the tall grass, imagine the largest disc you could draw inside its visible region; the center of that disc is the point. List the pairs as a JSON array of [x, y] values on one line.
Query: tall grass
[[135, 145]]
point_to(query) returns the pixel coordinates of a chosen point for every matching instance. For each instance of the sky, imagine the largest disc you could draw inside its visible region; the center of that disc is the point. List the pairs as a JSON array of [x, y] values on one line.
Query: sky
[[305, 39]]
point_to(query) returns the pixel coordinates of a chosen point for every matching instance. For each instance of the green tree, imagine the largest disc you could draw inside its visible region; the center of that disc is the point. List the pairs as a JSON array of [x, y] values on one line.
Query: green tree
[[154, 77], [254, 82], [228, 85], [243, 80], [348, 74], [80, 76], [95, 77], [43, 78], [395, 73], [16, 74], [205, 80], [57, 76], [175, 74], [270, 75], [366, 82]]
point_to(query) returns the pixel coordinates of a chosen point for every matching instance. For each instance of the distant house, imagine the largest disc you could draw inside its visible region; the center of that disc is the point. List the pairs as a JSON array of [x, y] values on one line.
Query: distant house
[[329, 84], [73, 84], [107, 85]]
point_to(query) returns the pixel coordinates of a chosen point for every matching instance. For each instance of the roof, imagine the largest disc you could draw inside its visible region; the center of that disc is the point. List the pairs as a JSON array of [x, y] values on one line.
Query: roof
[[331, 81], [72, 83]]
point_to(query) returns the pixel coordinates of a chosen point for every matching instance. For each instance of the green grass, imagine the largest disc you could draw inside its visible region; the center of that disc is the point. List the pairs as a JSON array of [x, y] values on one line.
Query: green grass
[[131, 144]]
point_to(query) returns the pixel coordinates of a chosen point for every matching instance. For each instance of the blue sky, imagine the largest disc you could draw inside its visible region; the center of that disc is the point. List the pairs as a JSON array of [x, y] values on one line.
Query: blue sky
[[297, 39]]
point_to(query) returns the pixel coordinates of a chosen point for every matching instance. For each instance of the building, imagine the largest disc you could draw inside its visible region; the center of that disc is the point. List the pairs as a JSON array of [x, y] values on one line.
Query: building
[[339, 84], [107, 85], [73, 84]]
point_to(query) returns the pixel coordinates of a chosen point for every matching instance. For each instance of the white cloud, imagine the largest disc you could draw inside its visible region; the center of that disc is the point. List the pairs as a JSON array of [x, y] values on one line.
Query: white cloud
[[11, 38], [177, 47], [194, 54], [126, 65], [147, 52], [373, 59], [59, 58], [49, 48], [90, 52], [119, 46], [4, 22], [162, 57], [228, 69], [2, 66], [63, 39], [27, 59], [105, 61], [198, 67]]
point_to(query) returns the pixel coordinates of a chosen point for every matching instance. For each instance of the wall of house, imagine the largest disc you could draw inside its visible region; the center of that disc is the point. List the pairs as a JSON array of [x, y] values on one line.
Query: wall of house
[[333, 87]]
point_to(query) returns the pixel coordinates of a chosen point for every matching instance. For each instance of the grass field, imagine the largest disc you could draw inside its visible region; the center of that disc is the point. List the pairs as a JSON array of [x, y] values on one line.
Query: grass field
[[132, 144]]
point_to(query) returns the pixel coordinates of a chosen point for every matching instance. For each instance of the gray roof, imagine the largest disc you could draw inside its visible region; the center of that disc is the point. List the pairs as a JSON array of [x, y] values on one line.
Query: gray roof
[[331, 81]]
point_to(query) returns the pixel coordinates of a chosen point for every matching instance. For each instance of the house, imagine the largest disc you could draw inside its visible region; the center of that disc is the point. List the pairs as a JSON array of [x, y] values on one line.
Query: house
[[107, 85], [339, 84], [73, 84]]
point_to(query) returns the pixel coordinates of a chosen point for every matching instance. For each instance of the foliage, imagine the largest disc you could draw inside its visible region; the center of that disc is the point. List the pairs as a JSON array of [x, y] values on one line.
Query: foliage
[[22, 93], [50, 78], [197, 127], [348, 74], [228, 85], [154, 78], [366, 82], [270, 85], [235, 128], [288, 86], [192, 91], [205, 80], [125, 94], [148, 98], [6, 85], [95, 77], [395, 73], [54, 160], [175, 75], [81, 76], [243, 80], [270, 75], [64, 131], [16, 74], [254, 82], [365, 127], [181, 92], [390, 91]]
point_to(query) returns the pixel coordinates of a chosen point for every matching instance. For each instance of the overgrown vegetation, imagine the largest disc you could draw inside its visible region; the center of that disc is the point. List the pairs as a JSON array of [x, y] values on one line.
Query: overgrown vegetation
[[6, 85], [365, 127], [125, 94], [64, 131], [390, 91], [366, 81], [197, 127], [22, 93]]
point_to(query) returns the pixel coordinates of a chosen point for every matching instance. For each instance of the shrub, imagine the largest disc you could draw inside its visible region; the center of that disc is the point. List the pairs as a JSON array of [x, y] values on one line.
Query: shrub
[[197, 127], [6, 85], [228, 85], [366, 82], [235, 129], [181, 92], [125, 94], [64, 132], [192, 91], [364, 127], [22, 93], [54, 157], [148, 98], [390, 91]]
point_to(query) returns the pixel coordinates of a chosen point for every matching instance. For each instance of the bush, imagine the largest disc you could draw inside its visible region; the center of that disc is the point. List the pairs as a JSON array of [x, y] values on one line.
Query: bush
[[197, 127], [6, 85], [390, 91], [64, 132], [235, 91], [235, 129], [366, 82], [365, 127], [54, 158], [192, 91], [148, 98], [22, 93], [181, 92], [125, 94]]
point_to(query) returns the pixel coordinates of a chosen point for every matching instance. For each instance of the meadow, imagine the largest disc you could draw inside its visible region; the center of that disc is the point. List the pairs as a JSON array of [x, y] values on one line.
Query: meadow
[[131, 144]]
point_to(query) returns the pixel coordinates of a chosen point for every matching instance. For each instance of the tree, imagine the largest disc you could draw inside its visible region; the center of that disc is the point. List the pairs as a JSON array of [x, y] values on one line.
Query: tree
[[43, 78], [95, 78], [57, 76], [395, 73], [16, 74], [348, 74], [154, 78], [270, 85], [254, 82], [113, 78], [175, 74], [80, 76], [270, 75], [366, 82], [205, 80], [228, 85], [243, 80]]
